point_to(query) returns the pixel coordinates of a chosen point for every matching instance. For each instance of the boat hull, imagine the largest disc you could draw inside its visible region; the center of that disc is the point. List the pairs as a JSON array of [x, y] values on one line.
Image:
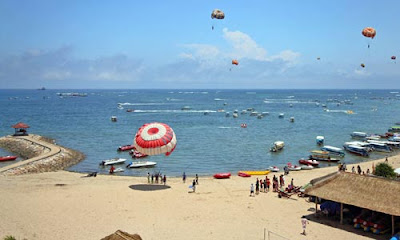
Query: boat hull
[[141, 164], [262, 172], [222, 175], [7, 158]]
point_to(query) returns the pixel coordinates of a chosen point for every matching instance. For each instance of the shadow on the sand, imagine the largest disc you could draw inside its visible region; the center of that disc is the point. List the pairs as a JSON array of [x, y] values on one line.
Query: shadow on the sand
[[348, 227], [148, 187]]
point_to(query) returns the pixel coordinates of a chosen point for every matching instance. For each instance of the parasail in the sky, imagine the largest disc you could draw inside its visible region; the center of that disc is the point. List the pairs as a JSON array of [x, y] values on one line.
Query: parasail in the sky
[[155, 138], [362, 65], [369, 32], [393, 57], [218, 14], [235, 62]]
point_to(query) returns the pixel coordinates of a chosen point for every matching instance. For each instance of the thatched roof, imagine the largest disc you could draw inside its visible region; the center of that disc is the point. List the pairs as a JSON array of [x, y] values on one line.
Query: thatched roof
[[374, 193], [120, 235], [20, 125]]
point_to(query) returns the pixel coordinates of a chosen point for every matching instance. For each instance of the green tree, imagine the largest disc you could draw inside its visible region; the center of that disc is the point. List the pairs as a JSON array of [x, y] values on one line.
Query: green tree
[[10, 238], [385, 170]]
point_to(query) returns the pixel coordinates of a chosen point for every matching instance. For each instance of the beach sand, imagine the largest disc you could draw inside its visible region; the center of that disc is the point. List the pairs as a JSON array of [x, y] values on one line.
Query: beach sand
[[66, 205]]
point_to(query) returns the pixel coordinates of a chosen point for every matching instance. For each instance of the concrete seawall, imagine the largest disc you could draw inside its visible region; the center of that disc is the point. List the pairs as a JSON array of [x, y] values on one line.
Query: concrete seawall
[[42, 155]]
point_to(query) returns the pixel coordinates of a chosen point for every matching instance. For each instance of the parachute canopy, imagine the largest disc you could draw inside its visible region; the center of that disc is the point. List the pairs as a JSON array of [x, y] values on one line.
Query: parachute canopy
[[218, 14], [236, 62], [362, 65], [318, 58], [369, 32], [393, 57], [155, 138]]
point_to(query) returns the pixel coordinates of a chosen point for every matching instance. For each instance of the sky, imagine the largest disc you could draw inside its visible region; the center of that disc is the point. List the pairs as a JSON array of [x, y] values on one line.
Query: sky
[[171, 44]]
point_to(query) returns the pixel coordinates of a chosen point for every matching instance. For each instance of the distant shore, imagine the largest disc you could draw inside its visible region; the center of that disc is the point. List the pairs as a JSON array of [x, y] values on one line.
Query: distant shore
[[41, 154]]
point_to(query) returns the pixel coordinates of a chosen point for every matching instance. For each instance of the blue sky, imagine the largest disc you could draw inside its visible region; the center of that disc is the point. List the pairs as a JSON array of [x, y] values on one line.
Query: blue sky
[[170, 44]]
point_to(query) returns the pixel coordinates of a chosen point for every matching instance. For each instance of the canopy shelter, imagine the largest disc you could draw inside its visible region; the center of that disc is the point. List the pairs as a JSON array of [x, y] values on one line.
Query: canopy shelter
[[120, 235], [369, 192], [20, 129]]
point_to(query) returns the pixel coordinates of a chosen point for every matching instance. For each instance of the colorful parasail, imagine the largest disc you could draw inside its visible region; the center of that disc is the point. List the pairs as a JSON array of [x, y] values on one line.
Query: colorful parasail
[[369, 32], [362, 65], [218, 14], [393, 57], [155, 138], [235, 62], [318, 58]]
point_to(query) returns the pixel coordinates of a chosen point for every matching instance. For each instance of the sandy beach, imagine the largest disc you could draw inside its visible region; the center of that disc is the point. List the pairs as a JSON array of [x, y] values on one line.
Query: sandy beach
[[67, 205]]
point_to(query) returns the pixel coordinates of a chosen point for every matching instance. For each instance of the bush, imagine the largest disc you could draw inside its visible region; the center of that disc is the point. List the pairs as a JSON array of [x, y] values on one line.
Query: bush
[[10, 238], [385, 170]]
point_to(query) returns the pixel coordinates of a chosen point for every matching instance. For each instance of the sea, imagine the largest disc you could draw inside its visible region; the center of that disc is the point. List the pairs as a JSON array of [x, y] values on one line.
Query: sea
[[208, 141]]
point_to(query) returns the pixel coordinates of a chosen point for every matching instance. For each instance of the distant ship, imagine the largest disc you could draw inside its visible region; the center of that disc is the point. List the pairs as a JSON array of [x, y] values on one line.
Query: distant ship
[[42, 88]]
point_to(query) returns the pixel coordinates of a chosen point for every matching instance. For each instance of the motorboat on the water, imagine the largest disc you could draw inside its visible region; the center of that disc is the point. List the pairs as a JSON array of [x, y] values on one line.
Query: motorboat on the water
[[117, 170], [394, 129], [112, 161], [380, 147], [389, 143], [113, 118], [138, 164], [7, 158], [306, 167], [126, 148], [322, 156], [291, 119], [274, 169], [293, 167], [362, 151], [137, 154], [254, 113], [260, 116], [277, 146], [365, 145], [235, 115], [311, 162], [320, 140], [281, 115], [333, 150], [359, 135]]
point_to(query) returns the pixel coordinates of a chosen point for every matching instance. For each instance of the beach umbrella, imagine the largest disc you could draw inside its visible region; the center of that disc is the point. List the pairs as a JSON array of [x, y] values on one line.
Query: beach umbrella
[[155, 138]]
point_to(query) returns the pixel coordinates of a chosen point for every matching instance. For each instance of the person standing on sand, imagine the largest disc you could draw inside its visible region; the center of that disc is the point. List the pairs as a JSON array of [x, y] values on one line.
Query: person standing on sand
[[184, 177], [194, 185], [353, 169], [197, 179], [152, 178], [165, 179], [148, 177], [257, 186], [268, 184], [359, 169], [252, 190], [304, 223]]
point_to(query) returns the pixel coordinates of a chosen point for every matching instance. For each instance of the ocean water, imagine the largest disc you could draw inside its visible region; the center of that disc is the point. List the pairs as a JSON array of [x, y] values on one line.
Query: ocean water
[[207, 144]]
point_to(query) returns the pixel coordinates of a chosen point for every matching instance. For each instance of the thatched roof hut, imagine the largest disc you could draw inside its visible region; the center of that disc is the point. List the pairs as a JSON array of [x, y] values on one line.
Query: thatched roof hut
[[373, 193], [120, 235]]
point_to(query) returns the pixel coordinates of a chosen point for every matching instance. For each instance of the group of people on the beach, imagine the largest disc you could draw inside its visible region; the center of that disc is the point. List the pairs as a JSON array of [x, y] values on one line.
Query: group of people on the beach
[[156, 178]]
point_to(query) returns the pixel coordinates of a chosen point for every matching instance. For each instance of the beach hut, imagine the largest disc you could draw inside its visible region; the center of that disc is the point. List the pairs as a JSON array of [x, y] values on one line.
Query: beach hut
[[20, 129], [120, 235], [367, 192]]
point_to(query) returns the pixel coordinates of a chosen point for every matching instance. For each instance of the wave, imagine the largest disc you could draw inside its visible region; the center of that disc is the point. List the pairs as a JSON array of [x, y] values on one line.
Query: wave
[[139, 104], [174, 99], [219, 99], [227, 127], [174, 111]]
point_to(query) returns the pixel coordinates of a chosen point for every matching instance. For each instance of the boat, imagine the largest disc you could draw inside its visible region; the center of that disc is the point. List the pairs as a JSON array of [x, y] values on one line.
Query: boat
[[281, 115], [243, 112], [117, 170], [138, 164], [333, 150], [362, 151], [274, 169], [394, 129], [389, 143], [125, 148], [256, 172], [185, 108], [265, 113], [250, 109], [322, 156], [260, 116], [113, 118], [373, 137], [359, 135], [137, 154], [242, 174], [7, 158], [311, 162], [291, 119], [293, 167], [112, 161], [129, 110], [235, 115], [277, 146], [320, 140], [227, 114], [254, 113], [366, 145], [306, 167], [222, 175], [380, 147]]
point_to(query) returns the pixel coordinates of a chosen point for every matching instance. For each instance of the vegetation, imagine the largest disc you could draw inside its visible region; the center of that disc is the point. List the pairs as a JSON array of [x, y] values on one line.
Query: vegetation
[[10, 238], [385, 170]]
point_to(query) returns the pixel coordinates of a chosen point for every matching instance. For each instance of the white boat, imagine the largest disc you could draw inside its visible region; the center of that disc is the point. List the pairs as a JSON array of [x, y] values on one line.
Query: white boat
[[333, 150], [265, 113], [138, 164], [259, 116], [320, 140], [277, 146], [306, 167], [235, 115], [185, 108], [365, 145], [112, 161], [291, 119], [254, 113], [362, 151], [293, 167], [113, 118], [281, 115], [274, 169], [117, 170], [243, 112], [359, 135]]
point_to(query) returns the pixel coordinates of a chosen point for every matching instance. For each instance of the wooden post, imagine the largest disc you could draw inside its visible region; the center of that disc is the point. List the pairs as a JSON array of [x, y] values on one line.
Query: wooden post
[[341, 213], [392, 225]]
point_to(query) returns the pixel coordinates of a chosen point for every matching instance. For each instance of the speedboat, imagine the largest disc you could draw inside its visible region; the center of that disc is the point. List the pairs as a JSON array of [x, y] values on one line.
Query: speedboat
[[138, 164], [333, 150], [235, 115], [137, 154], [366, 145], [112, 161], [322, 156], [291, 119], [314, 163], [306, 167], [394, 129], [320, 140], [117, 170], [359, 135], [293, 167], [362, 151], [277, 146], [281, 115], [274, 169], [254, 113], [265, 113], [113, 118], [126, 147], [380, 147], [7, 158], [260, 116]]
